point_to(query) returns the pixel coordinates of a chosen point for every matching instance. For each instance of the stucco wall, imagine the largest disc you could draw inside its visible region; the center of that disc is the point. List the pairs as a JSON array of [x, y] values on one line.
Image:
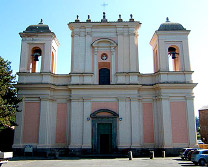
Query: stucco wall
[[31, 122], [104, 105], [148, 123], [179, 122], [61, 123]]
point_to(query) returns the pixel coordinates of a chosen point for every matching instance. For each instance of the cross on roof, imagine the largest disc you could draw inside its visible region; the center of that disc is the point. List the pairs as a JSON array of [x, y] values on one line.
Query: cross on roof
[[104, 5]]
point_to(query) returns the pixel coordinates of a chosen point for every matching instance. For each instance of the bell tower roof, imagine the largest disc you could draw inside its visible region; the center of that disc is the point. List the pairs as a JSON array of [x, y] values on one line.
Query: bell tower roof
[[39, 28], [171, 26]]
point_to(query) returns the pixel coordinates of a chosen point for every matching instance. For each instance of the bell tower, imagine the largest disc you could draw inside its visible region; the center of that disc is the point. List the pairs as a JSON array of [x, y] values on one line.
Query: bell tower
[[170, 48], [38, 50]]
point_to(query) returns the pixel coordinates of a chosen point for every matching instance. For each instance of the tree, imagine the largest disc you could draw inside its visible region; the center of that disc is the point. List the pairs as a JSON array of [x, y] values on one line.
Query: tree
[[198, 128], [8, 95]]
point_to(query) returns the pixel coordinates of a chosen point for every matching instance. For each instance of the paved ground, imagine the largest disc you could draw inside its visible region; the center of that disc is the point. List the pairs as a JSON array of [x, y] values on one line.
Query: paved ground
[[117, 162]]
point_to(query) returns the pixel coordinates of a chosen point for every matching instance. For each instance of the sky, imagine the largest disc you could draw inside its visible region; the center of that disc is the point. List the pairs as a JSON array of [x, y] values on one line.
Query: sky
[[17, 15]]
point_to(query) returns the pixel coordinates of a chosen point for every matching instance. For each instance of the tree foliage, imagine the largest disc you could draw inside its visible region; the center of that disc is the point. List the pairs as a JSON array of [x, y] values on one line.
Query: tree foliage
[[197, 124], [8, 95]]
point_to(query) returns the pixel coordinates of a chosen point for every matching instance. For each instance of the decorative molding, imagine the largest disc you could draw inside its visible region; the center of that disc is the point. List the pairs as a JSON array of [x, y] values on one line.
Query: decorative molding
[[111, 42], [88, 33], [113, 114], [162, 97], [190, 97]]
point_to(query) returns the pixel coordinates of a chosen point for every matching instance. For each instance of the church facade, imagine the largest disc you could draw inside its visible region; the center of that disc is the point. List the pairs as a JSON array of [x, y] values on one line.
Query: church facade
[[105, 105]]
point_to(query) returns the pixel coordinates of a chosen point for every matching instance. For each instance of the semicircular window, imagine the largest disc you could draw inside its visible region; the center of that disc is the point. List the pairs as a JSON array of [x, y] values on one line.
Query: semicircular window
[[104, 76]]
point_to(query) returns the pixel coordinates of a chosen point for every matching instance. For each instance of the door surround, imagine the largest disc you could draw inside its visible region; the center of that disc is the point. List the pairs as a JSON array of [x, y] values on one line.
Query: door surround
[[104, 116]]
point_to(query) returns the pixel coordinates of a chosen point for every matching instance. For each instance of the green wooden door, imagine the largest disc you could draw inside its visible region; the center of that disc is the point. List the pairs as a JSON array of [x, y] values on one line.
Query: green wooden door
[[104, 137]]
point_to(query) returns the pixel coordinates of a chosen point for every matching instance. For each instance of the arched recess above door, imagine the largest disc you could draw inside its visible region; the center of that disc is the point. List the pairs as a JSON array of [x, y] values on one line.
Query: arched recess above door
[[104, 42], [104, 113]]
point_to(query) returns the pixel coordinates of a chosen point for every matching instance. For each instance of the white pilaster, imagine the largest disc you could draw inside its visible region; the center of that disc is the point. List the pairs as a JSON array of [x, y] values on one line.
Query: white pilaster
[[122, 126], [95, 66], [75, 52], [126, 62], [136, 50], [133, 51], [76, 123], [163, 56], [19, 129], [46, 58], [24, 57], [120, 58], [113, 66], [135, 123], [125, 124], [87, 130], [187, 66], [44, 125], [82, 51], [181, 57], [88, 55], [166, 122]]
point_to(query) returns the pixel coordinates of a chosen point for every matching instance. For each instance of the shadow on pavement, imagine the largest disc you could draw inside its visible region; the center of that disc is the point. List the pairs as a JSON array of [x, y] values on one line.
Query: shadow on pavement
[[184, 162], [187, 164], [25, 158]]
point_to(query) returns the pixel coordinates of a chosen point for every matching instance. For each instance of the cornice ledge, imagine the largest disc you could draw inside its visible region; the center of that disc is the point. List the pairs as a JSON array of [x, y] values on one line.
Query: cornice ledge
[[127, 73], [136, 86], [82, 74], [175, 85]]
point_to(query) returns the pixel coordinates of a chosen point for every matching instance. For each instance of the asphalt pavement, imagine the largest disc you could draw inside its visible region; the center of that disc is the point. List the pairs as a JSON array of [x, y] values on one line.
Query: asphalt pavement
[[90, 162]]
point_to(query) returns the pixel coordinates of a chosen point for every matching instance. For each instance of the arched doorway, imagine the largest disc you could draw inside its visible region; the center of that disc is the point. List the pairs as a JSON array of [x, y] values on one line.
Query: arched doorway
[[104, 130], [104, 76]]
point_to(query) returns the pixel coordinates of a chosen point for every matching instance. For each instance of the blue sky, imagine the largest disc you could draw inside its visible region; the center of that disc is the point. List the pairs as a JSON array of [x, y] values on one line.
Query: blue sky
[[16, 15]]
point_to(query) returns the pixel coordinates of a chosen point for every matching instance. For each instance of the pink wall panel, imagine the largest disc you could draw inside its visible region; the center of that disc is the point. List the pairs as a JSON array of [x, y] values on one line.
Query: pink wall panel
[[104, 105], [148, 123], [61, 121], [179, 122], [31, 122]]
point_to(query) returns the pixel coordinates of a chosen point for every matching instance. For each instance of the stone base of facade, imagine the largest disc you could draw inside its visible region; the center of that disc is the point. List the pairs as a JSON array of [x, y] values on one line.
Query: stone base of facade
[[145, 152], [87, 152], [42, 152]]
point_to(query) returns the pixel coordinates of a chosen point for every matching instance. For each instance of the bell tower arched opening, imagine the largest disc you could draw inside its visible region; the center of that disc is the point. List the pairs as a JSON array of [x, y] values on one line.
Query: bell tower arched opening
[[35, 65], [173, 59]]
